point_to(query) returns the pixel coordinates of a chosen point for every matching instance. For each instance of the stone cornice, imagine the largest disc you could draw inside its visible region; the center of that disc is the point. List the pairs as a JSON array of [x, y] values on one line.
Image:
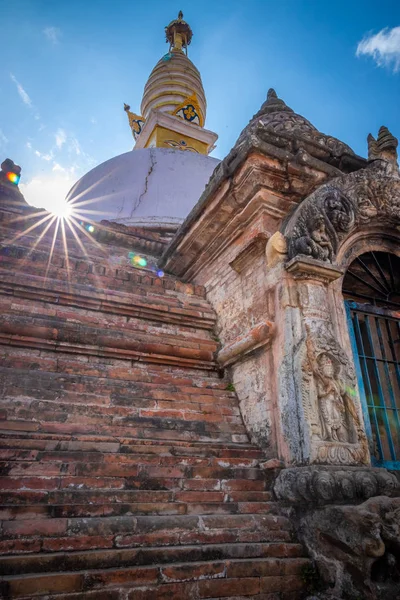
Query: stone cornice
[[260, 335], [304, 267]]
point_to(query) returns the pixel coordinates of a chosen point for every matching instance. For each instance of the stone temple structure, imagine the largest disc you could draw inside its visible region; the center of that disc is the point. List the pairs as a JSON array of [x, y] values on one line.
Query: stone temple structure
[[200, 389]]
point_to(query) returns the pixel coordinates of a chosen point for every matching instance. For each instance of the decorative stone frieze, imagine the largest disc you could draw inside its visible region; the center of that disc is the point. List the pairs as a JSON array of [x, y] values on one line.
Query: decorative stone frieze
[[329, 215], [323, 485]]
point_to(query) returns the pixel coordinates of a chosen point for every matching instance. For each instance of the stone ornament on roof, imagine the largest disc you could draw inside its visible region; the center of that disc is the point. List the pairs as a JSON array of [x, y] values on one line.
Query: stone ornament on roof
[[277, 123], [384, 147]]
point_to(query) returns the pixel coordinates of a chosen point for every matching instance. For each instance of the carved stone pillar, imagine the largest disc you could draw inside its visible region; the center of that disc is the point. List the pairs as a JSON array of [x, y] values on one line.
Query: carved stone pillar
[[319, 404]]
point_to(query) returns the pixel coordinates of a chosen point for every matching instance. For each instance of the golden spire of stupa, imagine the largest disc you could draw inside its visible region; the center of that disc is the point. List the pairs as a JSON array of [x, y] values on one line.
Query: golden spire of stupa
[[173, 107]]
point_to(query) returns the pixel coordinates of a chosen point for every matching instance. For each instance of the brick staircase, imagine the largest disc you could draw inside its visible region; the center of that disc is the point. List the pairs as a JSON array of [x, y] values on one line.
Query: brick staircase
[[126, 470]]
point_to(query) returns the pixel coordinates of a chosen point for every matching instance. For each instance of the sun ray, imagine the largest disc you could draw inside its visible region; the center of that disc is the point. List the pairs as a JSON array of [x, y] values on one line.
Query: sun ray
[[38, 240], [80, 243], [97, 199], [26, 231], [25, 217], [91, 238], [65, 244], [91, 187], [52, 246], [94, 212]]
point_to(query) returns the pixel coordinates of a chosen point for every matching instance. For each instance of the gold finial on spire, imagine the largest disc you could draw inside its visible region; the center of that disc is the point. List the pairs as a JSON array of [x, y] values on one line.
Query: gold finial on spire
[[179, 34]]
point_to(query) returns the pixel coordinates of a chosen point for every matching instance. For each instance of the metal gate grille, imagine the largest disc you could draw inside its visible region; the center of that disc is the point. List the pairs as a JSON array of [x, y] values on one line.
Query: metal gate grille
[[375, 337]]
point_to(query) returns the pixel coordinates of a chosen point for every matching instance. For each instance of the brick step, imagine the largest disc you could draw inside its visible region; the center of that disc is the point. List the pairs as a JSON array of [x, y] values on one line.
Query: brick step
[[53, 483], [178, 411], [106, 444], [137, 380], [200, 579], [129, 425], [30, 498], [23, 460], [87, 402], [177, 538], [124, 557], [127, 466], [204, 503], [187, 431], [84, 389], [33, 449], [126, 529]]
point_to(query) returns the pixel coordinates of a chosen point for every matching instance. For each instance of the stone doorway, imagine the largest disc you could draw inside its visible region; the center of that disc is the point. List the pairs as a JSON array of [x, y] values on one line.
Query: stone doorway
[[371, 288]]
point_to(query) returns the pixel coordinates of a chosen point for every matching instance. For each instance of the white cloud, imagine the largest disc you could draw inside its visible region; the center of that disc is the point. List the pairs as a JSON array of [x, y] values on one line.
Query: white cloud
[[93, 121], [75, 146], [53, 34], [48, 191], [49, 156], [383, 47], [3, 140], [24, 96], [61, 138]]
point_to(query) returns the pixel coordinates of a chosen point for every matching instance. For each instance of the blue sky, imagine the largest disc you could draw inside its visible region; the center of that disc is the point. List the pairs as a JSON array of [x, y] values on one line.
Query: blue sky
[[68, 67]]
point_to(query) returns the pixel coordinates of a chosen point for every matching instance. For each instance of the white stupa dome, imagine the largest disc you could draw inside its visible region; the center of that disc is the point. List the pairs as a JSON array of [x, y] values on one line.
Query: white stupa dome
[[147, 187]]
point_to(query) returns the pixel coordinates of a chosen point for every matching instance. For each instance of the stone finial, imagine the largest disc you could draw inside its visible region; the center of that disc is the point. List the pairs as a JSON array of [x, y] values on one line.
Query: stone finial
[[10, 172], [10, 195], [273, 104], [384, 147]]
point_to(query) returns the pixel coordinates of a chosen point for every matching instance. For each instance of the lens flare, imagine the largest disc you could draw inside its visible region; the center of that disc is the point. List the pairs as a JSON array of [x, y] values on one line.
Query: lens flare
[[13, 177], [139, 261]]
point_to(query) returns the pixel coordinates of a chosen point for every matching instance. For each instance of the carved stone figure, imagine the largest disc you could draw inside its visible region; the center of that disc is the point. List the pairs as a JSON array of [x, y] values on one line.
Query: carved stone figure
[[337, 414]]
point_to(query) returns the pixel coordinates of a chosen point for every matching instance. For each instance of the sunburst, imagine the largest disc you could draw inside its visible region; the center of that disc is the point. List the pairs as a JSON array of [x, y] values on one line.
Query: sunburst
[[53, 229]]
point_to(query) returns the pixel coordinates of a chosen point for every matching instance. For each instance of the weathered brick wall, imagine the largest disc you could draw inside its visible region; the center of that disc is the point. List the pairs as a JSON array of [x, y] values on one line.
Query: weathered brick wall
[[126, 468]]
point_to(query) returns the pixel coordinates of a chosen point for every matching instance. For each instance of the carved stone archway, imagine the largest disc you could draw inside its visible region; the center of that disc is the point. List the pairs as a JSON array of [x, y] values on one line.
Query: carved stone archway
[[317, 383]]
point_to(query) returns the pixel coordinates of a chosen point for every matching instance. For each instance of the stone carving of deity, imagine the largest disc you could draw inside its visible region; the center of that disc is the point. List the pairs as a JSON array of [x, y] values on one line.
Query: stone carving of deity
[[337, 413]]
